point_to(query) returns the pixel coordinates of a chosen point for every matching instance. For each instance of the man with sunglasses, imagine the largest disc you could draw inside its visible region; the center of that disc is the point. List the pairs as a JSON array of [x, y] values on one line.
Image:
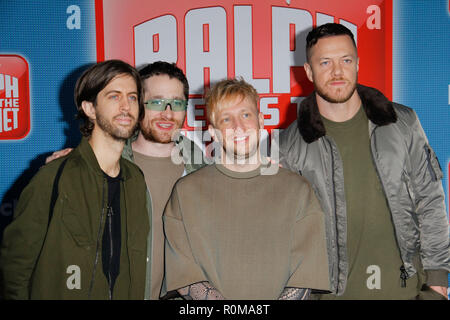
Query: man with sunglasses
[[166, 97], [166, 92]]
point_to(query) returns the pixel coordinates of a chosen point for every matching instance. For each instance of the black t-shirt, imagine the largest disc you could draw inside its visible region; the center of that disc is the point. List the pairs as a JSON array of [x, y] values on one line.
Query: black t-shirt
[[111, 242]]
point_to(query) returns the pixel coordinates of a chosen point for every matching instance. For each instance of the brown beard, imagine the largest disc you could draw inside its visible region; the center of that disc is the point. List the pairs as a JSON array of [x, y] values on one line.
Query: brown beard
[[114, 132], [153, 135], [330, 99]]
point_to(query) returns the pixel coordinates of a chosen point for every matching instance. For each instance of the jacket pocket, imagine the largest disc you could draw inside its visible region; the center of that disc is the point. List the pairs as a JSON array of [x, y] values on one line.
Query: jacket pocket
[[72, 223], [433, 163]]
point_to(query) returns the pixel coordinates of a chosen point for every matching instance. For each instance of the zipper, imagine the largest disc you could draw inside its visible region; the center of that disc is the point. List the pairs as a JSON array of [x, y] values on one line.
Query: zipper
[[111, 252], [429, 165], [334, 244], [433, 164], [91, 284], [403, 276]]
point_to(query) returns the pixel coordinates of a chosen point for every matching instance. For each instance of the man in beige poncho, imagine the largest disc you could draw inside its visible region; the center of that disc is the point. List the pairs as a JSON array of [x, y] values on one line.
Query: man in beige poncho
[[238, 229]]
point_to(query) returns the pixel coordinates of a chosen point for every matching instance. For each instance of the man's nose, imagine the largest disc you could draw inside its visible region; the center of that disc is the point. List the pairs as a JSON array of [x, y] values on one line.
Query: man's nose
[[238, 125], [124, 105], [337, 69], [167, 113]]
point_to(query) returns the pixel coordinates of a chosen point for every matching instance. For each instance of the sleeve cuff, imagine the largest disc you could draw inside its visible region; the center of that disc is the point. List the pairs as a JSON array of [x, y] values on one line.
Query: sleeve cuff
[[437, 278]]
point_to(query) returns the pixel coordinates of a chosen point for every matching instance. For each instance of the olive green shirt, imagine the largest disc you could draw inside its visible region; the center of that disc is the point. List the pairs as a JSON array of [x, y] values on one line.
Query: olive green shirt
[[373, 253]]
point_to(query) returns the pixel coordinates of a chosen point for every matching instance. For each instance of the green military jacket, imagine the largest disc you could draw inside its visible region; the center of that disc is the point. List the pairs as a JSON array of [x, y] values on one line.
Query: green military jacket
[[72, 246]]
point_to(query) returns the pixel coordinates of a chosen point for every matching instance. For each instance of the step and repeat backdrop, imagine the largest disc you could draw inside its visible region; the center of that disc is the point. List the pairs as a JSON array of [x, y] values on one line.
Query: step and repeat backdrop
[[45, 45]]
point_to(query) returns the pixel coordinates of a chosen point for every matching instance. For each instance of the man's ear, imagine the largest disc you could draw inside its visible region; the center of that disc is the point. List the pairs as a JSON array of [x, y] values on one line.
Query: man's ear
[[261, 120], [308, 71], [89, 109], [212, 132]]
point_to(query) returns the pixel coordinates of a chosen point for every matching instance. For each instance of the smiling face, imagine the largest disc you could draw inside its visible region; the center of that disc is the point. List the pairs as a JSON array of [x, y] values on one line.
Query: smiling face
[[159, 126], [116, 108], [236, 126], [333, 68]]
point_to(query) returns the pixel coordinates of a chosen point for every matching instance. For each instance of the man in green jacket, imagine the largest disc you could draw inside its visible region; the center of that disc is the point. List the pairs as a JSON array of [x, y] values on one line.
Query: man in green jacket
[[91, 242], [161, 152]]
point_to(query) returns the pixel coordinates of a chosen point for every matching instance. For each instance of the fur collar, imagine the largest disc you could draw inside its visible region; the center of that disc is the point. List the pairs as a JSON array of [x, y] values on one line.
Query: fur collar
[[378, 109]]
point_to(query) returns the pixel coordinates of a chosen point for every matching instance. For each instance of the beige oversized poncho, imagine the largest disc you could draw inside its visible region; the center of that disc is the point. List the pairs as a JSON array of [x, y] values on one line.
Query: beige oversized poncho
[[249, 235]]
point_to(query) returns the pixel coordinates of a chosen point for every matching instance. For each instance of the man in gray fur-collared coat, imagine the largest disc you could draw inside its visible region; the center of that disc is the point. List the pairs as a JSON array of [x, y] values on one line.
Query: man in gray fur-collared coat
[[376, 177]]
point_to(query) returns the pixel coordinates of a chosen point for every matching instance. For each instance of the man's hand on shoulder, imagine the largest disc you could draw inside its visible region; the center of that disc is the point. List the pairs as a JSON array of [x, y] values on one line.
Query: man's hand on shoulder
[[58, 154]]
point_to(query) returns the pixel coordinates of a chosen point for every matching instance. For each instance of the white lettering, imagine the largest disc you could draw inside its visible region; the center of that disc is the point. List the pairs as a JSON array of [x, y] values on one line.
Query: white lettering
[[146, 50], [297, 101], [15, 112], [322, 18], [206, 50], [374, 21], [74, 280], [202, 65], [196, 310], [10, 85], [243, 46], [374, 281], [193, 112], [74, 20], [245, 309], [5, 119], [269, 160], [352, 27], [282, 55], [9, 103], [274, 113]]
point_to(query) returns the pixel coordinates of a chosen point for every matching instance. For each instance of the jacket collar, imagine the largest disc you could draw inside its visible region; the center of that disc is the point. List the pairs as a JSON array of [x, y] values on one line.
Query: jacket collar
[[88, 155], [378, 108]]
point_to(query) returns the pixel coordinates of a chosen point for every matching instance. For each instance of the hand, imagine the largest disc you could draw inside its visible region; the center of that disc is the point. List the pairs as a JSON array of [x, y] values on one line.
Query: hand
[[58, 154], [270, 160], [440, 290]]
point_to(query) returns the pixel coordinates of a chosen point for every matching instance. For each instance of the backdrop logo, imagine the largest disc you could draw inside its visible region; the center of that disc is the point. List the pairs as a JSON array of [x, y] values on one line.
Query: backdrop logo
[[14, 97], [262, 41]]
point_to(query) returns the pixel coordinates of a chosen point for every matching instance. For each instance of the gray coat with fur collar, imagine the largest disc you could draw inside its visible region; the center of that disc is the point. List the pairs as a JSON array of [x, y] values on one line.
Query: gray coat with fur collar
[[408, 170]]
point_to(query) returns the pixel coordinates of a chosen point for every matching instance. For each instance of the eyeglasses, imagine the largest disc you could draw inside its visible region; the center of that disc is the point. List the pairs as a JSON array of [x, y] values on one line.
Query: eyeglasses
[[161, 104]]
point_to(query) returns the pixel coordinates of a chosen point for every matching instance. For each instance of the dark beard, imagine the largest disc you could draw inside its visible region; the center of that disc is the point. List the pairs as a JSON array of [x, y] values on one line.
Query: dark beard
[[149, 134], [115, 133], [327, 98]]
